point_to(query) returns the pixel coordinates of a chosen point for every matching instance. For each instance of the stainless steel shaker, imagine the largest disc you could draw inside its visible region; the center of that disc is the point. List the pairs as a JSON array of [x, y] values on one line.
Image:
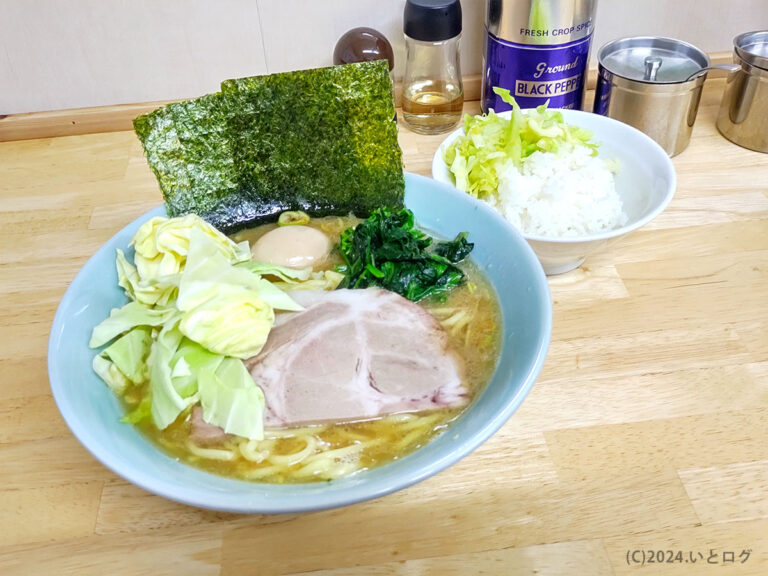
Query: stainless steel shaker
[[653, 84], [743, 116]]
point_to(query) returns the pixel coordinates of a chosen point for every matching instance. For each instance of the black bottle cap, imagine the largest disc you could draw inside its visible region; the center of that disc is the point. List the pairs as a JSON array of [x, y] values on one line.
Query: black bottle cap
[[432, 20]]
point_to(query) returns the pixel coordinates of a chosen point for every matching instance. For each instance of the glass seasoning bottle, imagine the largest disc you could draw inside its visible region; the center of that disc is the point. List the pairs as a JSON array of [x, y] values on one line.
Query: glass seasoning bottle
[[433, 95]]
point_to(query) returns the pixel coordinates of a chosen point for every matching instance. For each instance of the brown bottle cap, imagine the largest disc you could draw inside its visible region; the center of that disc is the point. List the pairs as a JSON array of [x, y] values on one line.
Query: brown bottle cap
[[363, 45]]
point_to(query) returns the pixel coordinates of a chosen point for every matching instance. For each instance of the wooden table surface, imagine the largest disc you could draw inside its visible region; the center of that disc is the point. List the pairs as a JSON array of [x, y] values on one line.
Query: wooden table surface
[[646, 430]]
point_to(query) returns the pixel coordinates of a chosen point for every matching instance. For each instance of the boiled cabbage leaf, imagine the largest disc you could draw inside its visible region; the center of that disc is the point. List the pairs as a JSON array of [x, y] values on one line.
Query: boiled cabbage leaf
[[124, 361], [208, 273], [234, 322], [282, 272], [142, 412], [227, 309], [167, 401], [193, 310], [231, 400], [121, 320], [150, 292], [107, 371], [162, 245], [189, 359], [321, 280], [296, 278]]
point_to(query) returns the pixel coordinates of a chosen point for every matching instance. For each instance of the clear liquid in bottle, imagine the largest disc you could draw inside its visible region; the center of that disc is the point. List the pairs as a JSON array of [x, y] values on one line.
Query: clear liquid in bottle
[[432, 106], [432, 96]]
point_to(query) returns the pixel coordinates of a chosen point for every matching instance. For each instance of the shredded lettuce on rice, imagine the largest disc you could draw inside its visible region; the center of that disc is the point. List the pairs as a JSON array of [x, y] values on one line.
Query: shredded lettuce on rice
[[543, 175]]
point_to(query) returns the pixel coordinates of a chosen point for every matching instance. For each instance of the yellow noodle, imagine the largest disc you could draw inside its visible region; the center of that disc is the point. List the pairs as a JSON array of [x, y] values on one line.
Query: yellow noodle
[[353, 434], [325, 462], [315, 468], [404, 442], [210, 453], [337, 453], [451, 320], [295, 457], [442, 311], [273, 433], [339, 470], [422, 421], [251, 451], [262, 472]]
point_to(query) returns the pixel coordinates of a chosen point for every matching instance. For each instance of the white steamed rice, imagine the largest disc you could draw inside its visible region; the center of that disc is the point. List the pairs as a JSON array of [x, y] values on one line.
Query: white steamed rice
[[555, 195]]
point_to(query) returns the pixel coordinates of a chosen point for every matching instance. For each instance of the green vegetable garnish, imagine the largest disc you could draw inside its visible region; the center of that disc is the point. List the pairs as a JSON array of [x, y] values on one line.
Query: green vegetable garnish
[[387, 251], [490, 142], [321, 141], [293, 218], [198, 306]]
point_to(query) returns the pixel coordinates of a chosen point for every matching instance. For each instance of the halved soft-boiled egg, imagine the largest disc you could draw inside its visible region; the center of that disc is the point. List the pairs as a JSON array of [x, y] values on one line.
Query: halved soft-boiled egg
[[292, 246]]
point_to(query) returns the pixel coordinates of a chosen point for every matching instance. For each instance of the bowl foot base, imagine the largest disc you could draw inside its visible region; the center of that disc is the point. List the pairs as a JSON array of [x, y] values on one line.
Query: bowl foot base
[[555, 269]]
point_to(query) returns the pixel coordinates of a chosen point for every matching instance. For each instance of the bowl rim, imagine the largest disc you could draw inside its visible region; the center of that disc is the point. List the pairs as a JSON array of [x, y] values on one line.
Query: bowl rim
[[294, 498], [438, 174]]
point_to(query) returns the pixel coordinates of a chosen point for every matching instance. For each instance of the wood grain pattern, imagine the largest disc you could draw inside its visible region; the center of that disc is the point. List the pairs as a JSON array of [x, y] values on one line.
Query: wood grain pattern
[[645, 431]]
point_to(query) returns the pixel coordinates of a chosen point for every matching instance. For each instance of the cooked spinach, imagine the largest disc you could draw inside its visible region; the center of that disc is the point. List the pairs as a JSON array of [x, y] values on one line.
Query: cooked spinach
[[386, 250], [456, 250]]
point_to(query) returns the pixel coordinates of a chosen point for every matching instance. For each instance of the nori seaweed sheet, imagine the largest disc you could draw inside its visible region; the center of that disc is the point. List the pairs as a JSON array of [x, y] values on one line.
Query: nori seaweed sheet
[[188, 149], [322, 140]]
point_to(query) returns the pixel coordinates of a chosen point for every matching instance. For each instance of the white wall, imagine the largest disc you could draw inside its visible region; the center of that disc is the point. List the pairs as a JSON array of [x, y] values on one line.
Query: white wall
[[57, 54]]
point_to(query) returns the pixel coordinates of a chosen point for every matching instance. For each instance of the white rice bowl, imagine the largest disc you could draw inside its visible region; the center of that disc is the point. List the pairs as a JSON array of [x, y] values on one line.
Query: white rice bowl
[[557, 195], [644, 183]]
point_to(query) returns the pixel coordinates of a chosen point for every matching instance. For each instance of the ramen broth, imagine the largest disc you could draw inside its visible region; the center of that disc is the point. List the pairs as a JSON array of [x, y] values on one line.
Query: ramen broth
[[471, 318]]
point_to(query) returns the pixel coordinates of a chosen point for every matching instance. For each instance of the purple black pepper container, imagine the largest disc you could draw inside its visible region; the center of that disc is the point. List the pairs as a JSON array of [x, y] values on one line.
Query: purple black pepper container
[[538, 50]]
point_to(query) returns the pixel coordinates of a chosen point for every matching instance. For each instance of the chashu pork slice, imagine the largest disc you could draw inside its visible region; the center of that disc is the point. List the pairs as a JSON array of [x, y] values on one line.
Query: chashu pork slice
[[355, 355]]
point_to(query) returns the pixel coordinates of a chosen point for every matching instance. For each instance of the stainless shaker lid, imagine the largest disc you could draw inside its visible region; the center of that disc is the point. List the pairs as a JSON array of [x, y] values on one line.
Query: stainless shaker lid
[[752, 47], [652, 59]]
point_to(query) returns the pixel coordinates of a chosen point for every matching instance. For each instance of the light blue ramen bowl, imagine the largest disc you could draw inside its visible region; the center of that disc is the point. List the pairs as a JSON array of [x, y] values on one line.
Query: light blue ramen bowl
[[93, 413]]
